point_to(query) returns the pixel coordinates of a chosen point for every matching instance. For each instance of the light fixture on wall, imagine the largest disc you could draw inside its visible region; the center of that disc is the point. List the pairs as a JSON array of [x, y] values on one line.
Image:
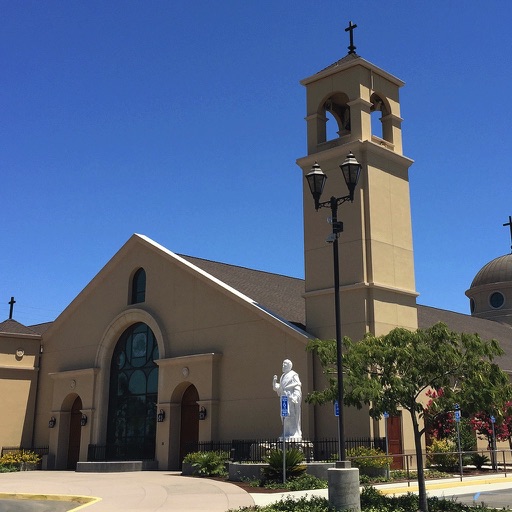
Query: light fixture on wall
[[160, 416], [83, 420], [202, 413], [52, 422]]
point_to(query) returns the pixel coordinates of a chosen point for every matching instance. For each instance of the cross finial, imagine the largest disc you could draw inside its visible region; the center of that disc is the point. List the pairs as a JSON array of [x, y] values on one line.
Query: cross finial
[[11, 304], [509, 224], [350, 28]]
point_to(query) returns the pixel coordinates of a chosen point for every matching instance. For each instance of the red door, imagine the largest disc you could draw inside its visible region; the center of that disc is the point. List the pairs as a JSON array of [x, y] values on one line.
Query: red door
[[189, 433], [75, 433], [394, 424]]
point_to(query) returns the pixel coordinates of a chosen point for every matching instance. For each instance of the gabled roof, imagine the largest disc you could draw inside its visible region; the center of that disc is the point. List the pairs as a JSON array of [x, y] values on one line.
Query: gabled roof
[[279, 294], [11, 326], [487, 329], [280, 301], [283, 298], [40, 328]]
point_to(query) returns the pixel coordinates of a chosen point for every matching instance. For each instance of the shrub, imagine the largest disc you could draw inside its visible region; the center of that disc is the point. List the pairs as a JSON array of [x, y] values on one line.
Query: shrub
[[441, 454], [301, 483], [208, 463], [371, 501], [364, 457], [289, 504], [14, 461], [293, 462], [479, 460]]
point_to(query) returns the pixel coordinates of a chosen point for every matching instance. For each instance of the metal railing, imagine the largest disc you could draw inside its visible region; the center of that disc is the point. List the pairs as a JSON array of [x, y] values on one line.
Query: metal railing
[[455, 464], [43, 450], [254, 450]]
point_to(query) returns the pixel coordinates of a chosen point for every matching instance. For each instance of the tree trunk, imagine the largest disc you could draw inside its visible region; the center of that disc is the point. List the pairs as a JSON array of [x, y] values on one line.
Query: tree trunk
[[422, 490]]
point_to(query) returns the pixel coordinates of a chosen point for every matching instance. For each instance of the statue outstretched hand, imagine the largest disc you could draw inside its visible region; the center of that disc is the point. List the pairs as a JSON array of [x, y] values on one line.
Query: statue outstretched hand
[[275, 385]]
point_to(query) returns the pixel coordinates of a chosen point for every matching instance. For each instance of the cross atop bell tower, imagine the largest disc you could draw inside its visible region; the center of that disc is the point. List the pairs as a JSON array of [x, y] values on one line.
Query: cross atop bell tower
[[350, 28], [376, 264]]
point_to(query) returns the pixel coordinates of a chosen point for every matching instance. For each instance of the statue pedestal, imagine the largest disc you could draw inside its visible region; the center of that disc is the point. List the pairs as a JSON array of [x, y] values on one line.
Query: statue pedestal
[[344, 488]]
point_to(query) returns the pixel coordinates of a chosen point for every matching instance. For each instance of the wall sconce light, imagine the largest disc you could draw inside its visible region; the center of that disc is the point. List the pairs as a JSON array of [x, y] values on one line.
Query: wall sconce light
[[83, 420], [202, 413], [52, 422], [160, 416]]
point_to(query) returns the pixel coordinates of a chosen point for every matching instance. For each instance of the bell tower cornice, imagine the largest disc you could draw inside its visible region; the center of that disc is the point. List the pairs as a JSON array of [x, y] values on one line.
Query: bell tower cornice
[[347, 62]]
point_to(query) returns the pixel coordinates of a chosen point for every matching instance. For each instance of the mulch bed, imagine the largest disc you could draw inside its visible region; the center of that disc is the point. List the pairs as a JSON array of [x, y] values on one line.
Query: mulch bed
[[247, 487]]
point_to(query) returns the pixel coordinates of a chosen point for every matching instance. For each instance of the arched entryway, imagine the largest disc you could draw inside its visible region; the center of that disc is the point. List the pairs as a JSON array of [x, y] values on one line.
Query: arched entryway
[[189, 431], [75, 433]]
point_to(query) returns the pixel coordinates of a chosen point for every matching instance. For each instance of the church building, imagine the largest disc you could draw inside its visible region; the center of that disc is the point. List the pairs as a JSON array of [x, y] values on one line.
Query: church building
[[160, 350]]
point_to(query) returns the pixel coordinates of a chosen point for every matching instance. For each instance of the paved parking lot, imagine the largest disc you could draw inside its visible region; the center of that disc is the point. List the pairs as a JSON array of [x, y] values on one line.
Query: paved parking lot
[[169, 491]]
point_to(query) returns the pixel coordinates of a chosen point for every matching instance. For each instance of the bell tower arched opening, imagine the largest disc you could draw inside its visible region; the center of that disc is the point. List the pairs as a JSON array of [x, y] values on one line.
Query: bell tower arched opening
[[379, 112], [334, 118]]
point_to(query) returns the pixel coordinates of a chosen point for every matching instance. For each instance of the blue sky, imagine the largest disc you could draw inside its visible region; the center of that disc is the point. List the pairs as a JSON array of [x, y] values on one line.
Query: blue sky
[[183, 120]]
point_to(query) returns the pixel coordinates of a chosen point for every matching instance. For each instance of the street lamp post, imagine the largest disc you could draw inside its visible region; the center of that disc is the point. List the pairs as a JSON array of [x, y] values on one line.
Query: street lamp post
[[316, 179]]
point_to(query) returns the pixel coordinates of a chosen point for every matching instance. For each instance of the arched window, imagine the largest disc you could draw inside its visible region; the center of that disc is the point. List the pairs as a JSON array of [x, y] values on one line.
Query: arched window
[[133, 396], [139, 287], [337, 115]]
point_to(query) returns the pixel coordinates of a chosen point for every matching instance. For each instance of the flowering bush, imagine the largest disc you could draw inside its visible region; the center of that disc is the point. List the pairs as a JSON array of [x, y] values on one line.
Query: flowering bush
[[19, 459], [364, 457], [442, 455]]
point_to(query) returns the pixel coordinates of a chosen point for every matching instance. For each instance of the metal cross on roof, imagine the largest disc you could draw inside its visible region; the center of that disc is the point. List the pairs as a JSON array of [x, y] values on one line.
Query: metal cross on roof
[[11, 304], [350, 28], [509, 223]]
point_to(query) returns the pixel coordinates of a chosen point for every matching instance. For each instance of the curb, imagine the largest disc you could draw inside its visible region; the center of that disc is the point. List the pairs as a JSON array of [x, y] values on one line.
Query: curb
[[82, 501]]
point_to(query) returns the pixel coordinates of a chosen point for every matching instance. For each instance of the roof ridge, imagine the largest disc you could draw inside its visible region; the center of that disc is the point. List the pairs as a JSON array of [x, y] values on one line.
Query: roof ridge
[[11, 326]]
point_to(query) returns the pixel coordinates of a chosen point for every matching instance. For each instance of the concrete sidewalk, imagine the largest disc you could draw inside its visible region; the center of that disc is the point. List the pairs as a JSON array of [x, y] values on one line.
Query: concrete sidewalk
[[142, 491]]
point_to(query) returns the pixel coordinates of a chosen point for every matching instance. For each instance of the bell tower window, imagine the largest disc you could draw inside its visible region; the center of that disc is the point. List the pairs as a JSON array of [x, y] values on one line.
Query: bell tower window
[[138, 294], [379, 111]]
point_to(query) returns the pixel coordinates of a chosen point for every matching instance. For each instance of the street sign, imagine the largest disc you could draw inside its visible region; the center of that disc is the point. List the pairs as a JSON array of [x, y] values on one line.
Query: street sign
[[285, 411], [493, 419], [336, 408], [386, 415], [457, 415]]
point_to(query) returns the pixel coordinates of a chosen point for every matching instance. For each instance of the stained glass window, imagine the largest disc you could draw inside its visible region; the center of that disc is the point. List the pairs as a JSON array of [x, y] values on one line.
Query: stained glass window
[[133, 396]]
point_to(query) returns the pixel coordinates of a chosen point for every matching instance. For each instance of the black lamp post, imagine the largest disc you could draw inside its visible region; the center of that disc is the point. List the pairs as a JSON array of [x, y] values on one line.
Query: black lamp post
[[351, 169]]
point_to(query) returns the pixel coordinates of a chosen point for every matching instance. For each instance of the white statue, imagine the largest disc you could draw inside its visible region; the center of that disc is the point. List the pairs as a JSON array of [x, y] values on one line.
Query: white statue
[[290, 385]]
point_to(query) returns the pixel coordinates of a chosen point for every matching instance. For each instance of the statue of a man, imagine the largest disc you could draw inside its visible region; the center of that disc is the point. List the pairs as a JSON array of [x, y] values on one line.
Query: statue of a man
[[290, 385]]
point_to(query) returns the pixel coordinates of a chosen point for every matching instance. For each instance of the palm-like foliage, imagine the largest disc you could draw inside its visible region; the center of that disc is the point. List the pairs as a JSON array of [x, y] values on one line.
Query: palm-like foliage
[[293, 461]]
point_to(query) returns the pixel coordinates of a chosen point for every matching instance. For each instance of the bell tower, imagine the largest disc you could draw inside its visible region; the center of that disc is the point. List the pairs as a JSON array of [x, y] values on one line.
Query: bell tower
[[376, 263]]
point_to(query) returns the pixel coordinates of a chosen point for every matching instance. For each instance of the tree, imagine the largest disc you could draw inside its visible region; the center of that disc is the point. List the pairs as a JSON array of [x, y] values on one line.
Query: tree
[[394, 371]]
